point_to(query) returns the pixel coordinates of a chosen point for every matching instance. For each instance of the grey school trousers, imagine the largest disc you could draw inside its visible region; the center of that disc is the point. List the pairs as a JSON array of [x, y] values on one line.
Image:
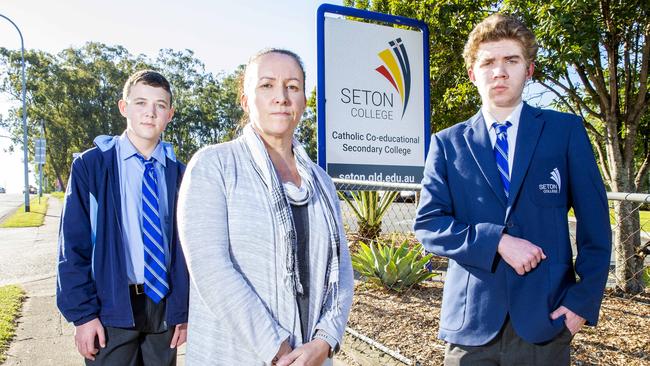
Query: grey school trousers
[[508, 349]]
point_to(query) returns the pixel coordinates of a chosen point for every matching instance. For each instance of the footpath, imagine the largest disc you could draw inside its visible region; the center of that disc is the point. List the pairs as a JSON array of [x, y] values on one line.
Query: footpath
[[28, 258]]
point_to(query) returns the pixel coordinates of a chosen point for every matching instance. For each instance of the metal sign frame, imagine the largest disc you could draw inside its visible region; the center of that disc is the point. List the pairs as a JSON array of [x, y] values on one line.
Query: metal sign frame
[[377, 17]]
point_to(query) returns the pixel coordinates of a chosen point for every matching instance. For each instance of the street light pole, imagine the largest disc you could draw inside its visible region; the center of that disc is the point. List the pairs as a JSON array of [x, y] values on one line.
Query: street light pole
[[25, 158]]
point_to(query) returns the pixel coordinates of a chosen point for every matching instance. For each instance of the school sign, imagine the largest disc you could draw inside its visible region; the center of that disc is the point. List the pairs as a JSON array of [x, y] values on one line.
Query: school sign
[[373, 96]]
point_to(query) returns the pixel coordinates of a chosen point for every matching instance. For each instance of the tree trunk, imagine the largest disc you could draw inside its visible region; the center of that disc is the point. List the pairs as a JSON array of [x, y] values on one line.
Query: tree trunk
[[627, 234], [57, 174], [59, 179], [627, 240]]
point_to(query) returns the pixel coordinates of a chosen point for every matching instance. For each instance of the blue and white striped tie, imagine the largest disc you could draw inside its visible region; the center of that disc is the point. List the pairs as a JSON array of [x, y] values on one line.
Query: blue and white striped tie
[[155, 269], [501, 154]]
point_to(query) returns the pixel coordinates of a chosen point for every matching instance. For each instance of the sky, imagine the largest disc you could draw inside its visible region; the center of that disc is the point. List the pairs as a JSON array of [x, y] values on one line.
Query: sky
[[222, 33]]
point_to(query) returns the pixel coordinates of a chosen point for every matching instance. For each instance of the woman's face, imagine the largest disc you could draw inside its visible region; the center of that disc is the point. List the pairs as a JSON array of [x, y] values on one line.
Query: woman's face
[[274, 96]]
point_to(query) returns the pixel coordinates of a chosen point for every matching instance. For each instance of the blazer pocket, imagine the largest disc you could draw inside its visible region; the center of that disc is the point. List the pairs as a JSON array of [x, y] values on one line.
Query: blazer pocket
[[454, 297], [547, 184]]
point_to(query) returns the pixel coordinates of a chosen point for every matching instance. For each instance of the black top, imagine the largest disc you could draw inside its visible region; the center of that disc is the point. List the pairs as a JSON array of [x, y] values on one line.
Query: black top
[[301, 222]]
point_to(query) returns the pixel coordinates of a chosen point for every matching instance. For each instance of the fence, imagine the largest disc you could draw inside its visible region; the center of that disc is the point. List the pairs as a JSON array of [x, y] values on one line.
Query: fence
[[620, 338], [633, 236]]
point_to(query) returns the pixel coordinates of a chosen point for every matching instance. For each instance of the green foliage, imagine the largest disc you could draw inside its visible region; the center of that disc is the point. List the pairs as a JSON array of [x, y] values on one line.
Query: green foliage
[[306, 132], [11, 300], [594, 58], [369, 207], [207, 106], [396, 268], [76, 93]]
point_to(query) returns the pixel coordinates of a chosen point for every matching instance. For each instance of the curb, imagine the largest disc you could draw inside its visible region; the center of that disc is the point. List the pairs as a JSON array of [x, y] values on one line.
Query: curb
[[366, 351], [8, 214]]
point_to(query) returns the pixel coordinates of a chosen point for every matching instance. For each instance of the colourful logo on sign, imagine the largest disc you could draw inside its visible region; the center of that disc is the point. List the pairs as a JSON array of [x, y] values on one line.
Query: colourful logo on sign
[[397, 70]]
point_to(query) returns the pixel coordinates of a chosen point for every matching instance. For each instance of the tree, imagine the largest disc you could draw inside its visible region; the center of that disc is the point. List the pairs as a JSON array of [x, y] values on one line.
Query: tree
[[307, 128], [76, 92], [207, 107], [594, 58]]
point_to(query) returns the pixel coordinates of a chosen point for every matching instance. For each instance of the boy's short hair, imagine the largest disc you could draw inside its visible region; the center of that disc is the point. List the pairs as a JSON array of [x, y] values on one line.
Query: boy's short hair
[[498, 27], [147, 77]]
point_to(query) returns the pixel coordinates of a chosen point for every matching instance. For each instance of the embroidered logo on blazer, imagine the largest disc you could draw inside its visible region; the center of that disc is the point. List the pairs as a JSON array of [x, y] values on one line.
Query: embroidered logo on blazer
[[552, 187]]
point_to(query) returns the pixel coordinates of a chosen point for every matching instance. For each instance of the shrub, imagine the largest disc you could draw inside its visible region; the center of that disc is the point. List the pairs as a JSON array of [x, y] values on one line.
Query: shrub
[[369, 207], [396, 268]]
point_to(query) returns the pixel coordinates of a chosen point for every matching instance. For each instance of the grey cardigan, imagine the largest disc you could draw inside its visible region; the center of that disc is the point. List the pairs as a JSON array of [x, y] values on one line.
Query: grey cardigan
[[240, 310]]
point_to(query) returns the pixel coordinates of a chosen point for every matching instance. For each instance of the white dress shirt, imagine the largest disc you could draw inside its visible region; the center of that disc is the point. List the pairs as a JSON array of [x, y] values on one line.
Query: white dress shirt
[[512, 131]]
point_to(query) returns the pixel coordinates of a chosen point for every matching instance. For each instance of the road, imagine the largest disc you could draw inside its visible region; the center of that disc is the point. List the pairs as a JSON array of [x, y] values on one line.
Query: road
[[28, 254], [9, 202]]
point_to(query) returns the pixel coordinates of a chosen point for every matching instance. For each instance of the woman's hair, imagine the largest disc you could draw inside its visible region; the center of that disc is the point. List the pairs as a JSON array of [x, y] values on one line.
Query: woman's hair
[[498, 27], [254, 59]]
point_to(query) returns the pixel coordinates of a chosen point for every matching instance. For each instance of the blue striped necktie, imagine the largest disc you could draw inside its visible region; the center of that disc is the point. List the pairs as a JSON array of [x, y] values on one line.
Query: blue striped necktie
[[501, 154], [155, 268]]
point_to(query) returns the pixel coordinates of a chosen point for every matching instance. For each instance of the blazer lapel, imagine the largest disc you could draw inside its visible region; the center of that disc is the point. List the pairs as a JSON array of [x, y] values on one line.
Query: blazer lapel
[[112, 171], [479, 144], [171, 179], [530, 128]]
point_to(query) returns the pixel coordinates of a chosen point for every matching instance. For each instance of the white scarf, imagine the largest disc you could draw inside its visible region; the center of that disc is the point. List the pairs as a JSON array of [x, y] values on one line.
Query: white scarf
[[280, 204]]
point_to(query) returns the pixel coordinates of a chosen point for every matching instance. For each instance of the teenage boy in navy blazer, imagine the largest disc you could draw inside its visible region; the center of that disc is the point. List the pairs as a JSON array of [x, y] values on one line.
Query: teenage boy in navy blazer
[[122, 278], [495, 196]]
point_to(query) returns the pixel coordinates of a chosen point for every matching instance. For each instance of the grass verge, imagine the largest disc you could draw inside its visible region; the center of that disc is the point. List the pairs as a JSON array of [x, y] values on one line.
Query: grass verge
[[58, 195], [11, 301], [33, 218]]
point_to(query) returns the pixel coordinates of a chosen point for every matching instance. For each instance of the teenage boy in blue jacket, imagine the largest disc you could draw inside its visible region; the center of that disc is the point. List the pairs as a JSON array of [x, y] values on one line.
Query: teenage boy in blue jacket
[[495, 196], [122, 277]]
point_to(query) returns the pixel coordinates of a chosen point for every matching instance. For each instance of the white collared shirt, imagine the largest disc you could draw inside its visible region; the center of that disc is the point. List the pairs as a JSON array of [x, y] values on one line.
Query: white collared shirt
[[512, 131]]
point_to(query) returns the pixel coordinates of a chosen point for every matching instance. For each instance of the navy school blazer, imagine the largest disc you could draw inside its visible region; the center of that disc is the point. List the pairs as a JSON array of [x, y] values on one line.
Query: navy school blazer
[[463, 212], [91, 273]]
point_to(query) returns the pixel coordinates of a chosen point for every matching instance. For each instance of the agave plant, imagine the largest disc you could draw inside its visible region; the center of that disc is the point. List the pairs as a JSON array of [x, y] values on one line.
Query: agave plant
[[369, 207], [396, 268]]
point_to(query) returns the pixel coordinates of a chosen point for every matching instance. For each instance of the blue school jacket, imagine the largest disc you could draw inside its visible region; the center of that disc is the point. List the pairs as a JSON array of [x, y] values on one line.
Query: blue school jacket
[[91, 273]]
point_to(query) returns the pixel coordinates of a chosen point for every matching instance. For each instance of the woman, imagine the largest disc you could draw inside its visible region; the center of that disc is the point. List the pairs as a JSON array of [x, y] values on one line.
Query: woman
[[260, 225]]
